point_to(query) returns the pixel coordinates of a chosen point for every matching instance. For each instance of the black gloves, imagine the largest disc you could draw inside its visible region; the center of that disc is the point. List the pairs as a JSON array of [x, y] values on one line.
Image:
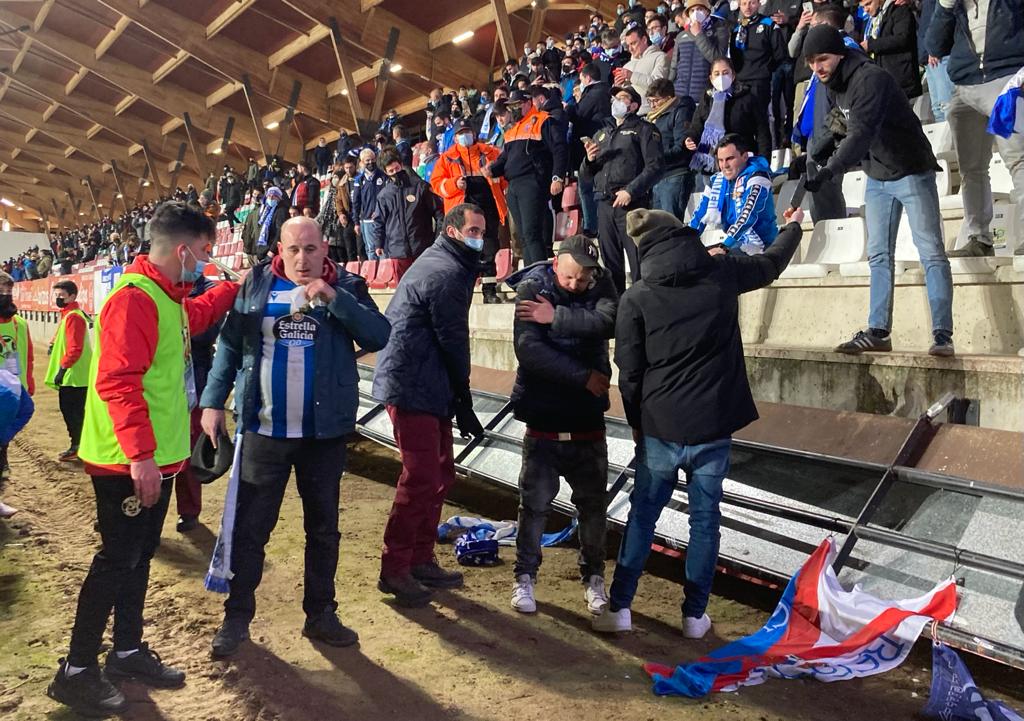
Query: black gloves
[[814, 185], [465, 416], [59, 378]]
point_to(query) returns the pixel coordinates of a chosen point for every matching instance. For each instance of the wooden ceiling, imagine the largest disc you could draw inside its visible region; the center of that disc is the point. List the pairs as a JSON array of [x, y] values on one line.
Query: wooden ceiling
[[106, 102]]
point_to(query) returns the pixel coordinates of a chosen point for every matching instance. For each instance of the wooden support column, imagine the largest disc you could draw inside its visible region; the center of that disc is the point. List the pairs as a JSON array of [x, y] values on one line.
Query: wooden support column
[[383, 76], [177, 166], [504, 28], [190, 133], [152, 169], [345, 69], [119, 184], [247, 89]]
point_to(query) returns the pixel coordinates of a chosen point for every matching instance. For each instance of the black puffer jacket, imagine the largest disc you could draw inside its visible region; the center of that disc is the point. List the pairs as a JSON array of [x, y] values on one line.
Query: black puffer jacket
[[407, 216], [555, 360], [677, 337], [882, 131], [895, 48]]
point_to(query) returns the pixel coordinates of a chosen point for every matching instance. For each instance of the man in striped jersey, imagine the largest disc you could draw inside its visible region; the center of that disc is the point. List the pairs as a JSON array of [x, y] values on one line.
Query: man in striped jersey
[[290, 341]]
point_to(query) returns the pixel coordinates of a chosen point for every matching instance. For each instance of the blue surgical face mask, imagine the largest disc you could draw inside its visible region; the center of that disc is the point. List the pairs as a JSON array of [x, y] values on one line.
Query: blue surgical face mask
[[191, 276], [472, 243], [656, 38]]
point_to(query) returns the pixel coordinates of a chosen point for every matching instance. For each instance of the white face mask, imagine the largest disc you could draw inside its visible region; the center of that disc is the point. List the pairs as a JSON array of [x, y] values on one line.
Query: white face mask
[[698, 16], [722, 83], [619, 109]]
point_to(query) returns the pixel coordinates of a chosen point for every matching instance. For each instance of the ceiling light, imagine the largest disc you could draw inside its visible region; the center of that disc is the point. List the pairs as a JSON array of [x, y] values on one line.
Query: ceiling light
[[6, 202], [99, 205], [119, 196], [396, 68], [145, 183], [462, 37], [20, 208], [344, 91], [81, 212], [217, 151], [272, 125]]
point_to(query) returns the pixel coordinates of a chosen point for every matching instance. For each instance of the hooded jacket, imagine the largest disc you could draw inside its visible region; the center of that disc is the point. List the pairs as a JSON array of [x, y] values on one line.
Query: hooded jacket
[[677, 336], [882, 131], [949, 33], [407, 216], [745, 212], [555, 360], [895, 48]]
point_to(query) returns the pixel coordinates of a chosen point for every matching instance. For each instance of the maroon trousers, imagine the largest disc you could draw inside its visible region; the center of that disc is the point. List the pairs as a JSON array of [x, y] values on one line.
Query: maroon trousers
[[428, 471], [188, 491]]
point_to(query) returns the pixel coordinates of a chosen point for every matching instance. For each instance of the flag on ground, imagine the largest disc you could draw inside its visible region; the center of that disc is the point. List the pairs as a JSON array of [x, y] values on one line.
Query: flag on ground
[[954, 697]]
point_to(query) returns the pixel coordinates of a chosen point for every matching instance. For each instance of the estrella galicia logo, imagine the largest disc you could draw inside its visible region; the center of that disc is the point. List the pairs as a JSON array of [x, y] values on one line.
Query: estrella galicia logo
[[296, 330]]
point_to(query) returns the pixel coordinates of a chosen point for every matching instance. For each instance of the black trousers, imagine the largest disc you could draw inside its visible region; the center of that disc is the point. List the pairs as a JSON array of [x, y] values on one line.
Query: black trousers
[[528, 202], [266, 465], [612, 238], [337, 253], [119, 573], [72, 407], [354, 248], [229, 214], [783, 97]]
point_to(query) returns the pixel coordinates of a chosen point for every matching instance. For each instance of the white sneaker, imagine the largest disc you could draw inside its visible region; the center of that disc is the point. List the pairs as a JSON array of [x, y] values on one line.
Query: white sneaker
[[613, 621], [595, 595], [7, 511], [696, 627], [522, 594]]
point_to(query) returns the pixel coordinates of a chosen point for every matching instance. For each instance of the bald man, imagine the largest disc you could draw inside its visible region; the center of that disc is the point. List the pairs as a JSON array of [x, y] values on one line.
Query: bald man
[[292, 335]]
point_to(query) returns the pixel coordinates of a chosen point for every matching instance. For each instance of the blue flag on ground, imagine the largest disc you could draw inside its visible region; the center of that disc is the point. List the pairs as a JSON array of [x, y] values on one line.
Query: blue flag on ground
[[955, 697]]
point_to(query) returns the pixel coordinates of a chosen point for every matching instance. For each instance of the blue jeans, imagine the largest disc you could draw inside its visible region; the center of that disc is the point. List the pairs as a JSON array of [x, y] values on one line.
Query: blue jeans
[[656, 476], [940, 88], [369, 233], [671, 194], [588, 203], [884, 203]]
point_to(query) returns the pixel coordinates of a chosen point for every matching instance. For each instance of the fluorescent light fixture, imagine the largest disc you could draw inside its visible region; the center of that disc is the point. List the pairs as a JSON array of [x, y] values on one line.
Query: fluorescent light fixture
[[396, 68], [145, 184], [216, 151], [119, 196], [6, 202], [20, 208], [99, 205], [81, 212], [462, 37], [272, 125], [344, 91]]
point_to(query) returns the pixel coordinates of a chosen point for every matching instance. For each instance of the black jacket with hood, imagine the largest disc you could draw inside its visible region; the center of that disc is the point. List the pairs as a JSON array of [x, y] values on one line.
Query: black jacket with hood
[[555, 360], [677, 336]]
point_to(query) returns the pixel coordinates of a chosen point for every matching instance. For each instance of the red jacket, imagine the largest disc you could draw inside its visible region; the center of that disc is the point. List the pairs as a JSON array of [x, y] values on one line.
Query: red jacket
[[29, 359], [127, 342], [74, 335]]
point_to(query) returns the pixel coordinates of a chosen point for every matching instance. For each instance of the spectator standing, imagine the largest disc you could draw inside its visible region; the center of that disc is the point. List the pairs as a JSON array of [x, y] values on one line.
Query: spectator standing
[[533, 161], [611, 56], [459, 178], [757, 47], [697, 44], [307, 191], [233, 196], [623, 160], [132, 454], [328, 220], [269, 342], [671, 115], [423, 378], [689, 301], [647, 64], [262, 229], [402, 145], [884, 135], [890, 39], [982, 40], [322, 156], [785, 14], [45, 263], [407, 215], [364, 199], [70, 355], [565, 314], [589, 110], [252, 175]]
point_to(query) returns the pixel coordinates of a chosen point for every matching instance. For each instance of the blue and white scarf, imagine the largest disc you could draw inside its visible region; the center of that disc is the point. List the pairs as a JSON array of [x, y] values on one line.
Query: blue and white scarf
[[219, 575], [714, 130], [267, 215], [1005, 118]]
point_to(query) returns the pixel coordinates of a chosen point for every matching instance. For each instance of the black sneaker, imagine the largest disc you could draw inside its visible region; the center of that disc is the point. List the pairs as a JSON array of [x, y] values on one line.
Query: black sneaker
[[433, 576], [943, 345], [864, 342], [144, 666], [187, 523], [330, 630], [229, 637], [69, 455], [88, 693], [408, 592], [974, 249]]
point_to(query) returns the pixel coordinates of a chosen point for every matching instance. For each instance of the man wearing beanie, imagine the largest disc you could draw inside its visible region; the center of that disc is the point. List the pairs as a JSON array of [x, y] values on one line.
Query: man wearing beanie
[[884, 135], [685, 395]]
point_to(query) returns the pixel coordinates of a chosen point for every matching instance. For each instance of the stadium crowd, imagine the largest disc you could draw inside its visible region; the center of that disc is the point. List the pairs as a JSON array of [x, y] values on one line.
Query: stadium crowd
[[662, 123]]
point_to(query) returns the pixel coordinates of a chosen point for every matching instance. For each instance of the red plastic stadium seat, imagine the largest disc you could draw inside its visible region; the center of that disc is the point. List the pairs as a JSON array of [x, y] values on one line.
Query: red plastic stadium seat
[[503, 261], [567, 223], [570, 197], [352, 267], [368, 270], [386, 277]]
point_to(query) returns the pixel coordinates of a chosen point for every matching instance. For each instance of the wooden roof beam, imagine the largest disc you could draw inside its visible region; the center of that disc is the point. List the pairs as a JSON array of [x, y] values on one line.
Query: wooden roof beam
[[471, 22], [126, 102], [504, 27], [298, 46], [20, 57], [111, 37], [75, 80], [222, 93], [42, 14], [230, 14], [170, 66]]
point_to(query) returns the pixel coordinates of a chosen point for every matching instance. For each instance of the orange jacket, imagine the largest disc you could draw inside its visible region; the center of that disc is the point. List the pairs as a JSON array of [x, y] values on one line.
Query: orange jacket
[[458, 162]]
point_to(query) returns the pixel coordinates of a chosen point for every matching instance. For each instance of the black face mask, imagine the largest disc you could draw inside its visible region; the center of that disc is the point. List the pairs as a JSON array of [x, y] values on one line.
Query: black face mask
[[60, 302], [7, 307]]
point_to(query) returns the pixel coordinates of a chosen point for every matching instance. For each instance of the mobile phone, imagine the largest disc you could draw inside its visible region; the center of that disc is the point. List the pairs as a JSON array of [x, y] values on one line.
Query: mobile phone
[[586, 139], [808, 7]]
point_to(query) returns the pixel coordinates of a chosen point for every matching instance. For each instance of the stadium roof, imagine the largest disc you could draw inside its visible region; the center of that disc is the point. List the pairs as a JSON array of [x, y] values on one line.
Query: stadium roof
[[103, 102]]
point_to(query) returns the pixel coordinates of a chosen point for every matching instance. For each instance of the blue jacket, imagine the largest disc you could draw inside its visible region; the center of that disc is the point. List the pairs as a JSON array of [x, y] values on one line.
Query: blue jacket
[[426, 362], [949, 34], [352, 317], [746, 207], [364, 193], [692, 68], [16, 407]]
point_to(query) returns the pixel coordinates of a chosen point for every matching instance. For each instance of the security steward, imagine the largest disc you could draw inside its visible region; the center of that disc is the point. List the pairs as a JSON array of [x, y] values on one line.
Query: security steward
[[70, 356], [624, 160], [458, 178], [534, 161], [15, 350]]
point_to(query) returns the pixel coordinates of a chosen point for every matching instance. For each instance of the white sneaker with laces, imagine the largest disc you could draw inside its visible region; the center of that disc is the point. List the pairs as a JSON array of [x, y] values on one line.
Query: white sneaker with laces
[[696, 627], [522, 594], [613, 621], [595, 595]]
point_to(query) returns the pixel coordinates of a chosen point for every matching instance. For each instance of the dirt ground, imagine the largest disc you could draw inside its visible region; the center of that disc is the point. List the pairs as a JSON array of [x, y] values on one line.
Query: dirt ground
[[467, 656]]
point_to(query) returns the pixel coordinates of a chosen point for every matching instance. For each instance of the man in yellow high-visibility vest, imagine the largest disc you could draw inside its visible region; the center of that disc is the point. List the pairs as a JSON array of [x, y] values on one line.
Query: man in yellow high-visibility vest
[[70, 356], [135, 440], [15, 350]]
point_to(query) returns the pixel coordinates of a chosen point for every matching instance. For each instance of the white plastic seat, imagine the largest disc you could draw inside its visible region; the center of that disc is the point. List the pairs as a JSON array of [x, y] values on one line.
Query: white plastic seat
[[940, 137], [833, 242], [781, 159], [785, 198], [854, 186], [1002, 230], [999, 178], [712, 235], [906, 255]]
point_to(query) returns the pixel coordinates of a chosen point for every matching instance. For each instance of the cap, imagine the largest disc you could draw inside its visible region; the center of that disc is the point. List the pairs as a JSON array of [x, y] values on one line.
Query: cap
[[823, 39], [690, 4], [209, 463], [582, 250], [630, 90], [462, 124], [518, 96]]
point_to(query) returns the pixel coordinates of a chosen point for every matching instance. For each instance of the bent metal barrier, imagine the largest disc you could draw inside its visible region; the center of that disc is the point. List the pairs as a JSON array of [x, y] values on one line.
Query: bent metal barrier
[[901, 528]]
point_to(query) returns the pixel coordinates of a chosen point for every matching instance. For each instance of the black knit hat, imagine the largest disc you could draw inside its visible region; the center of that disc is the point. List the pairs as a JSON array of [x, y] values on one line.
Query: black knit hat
[[824, 39]]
